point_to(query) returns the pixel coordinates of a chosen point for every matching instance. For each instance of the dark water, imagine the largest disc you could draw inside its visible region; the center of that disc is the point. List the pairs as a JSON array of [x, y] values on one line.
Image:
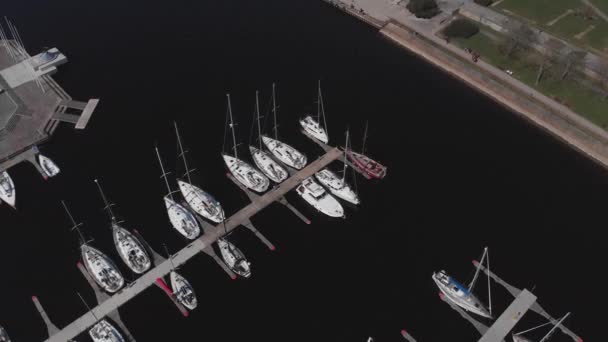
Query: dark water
[[463, 173]]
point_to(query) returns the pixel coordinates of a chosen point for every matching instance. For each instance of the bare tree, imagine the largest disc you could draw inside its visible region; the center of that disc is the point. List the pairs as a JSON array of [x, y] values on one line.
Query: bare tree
[[521, 36], [571, 60]]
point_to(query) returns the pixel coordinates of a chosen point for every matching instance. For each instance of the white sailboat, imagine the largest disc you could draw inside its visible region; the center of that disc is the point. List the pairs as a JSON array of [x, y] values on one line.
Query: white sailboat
[[263, 161], [103, 331], [130, 249], [283, 152], [101, 268], [48, 166], [249, 176], [234, 258], [336, 185], [181, 218], [4, 335], [312, 126], [183, 291], [7, 189], [315, 195], [200, 201], [461, 295]]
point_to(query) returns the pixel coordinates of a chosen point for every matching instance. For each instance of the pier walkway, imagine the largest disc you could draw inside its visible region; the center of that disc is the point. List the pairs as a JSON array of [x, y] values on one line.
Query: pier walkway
[[199, 245]]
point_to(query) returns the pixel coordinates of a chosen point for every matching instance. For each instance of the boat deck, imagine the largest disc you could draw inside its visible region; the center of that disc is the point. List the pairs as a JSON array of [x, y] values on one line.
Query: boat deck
[[199, 245]]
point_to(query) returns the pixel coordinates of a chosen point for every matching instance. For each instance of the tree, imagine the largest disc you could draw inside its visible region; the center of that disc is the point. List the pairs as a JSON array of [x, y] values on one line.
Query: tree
[[521, 36], [423, 8], [570, 60], [461, 28]]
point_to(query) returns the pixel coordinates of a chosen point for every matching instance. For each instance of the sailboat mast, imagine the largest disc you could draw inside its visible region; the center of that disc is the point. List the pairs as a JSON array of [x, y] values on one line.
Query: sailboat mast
[[322, 112], [364, 138], [274, 112], [181, 152], [483, 257], [88, 307], [105, 201], [345, 151], [74, 224], [231, 125], [554, 327], [162, 168], [489, 287], [257, 112]]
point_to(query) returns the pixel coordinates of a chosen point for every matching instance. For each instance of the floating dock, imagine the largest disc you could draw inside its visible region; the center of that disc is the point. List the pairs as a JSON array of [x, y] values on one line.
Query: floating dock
[[31, 103], [202, 244]]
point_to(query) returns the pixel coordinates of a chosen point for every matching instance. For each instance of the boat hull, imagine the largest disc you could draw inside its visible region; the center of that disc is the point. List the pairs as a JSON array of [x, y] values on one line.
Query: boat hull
[[266, 164], [459, 295], [285, 153], [131, 250], [246, 174], [7, 189], [337, 186], [182, 220], [234, 258], [369, 167], [314, 129], [48, 166], [102, 269], [183, 291], [316, 196], [201, 202]]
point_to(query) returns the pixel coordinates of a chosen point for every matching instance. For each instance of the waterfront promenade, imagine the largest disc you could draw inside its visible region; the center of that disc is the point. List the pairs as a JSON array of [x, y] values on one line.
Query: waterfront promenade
[[419, 36]]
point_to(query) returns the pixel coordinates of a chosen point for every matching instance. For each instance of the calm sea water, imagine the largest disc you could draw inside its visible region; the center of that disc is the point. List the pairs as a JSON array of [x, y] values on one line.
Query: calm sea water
[[463, 173]]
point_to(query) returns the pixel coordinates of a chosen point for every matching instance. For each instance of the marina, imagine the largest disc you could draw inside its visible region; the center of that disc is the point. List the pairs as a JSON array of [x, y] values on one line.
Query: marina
[[203, 243]]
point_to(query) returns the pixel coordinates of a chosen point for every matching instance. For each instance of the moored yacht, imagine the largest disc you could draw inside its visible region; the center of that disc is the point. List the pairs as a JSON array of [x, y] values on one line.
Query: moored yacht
[[4, 335], [263, 161], [48, 166], [459, 294], [102, 269], [283, 152], [234, 258], [246, 174], [130, 249], [7, 189], [517, 338], [314, 126], [366, 165], [200, 201], [337, 186], [183, 291], [315, 195], [182, 220], [103, 331]]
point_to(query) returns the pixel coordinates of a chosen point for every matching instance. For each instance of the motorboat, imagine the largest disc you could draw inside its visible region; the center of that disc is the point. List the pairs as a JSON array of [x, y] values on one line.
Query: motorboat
[[234, 258], [315, 195], [48, 166], [183, 291], [7, 189]]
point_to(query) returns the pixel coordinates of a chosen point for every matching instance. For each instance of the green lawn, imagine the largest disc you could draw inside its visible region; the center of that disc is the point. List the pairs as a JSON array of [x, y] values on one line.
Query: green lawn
[[539, 11], [578, 97], [601, 4], [544, 11]]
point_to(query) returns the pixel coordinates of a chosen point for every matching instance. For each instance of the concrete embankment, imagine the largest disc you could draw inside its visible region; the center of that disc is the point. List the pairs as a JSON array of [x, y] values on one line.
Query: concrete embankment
[[527, 102], [522, 104]]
